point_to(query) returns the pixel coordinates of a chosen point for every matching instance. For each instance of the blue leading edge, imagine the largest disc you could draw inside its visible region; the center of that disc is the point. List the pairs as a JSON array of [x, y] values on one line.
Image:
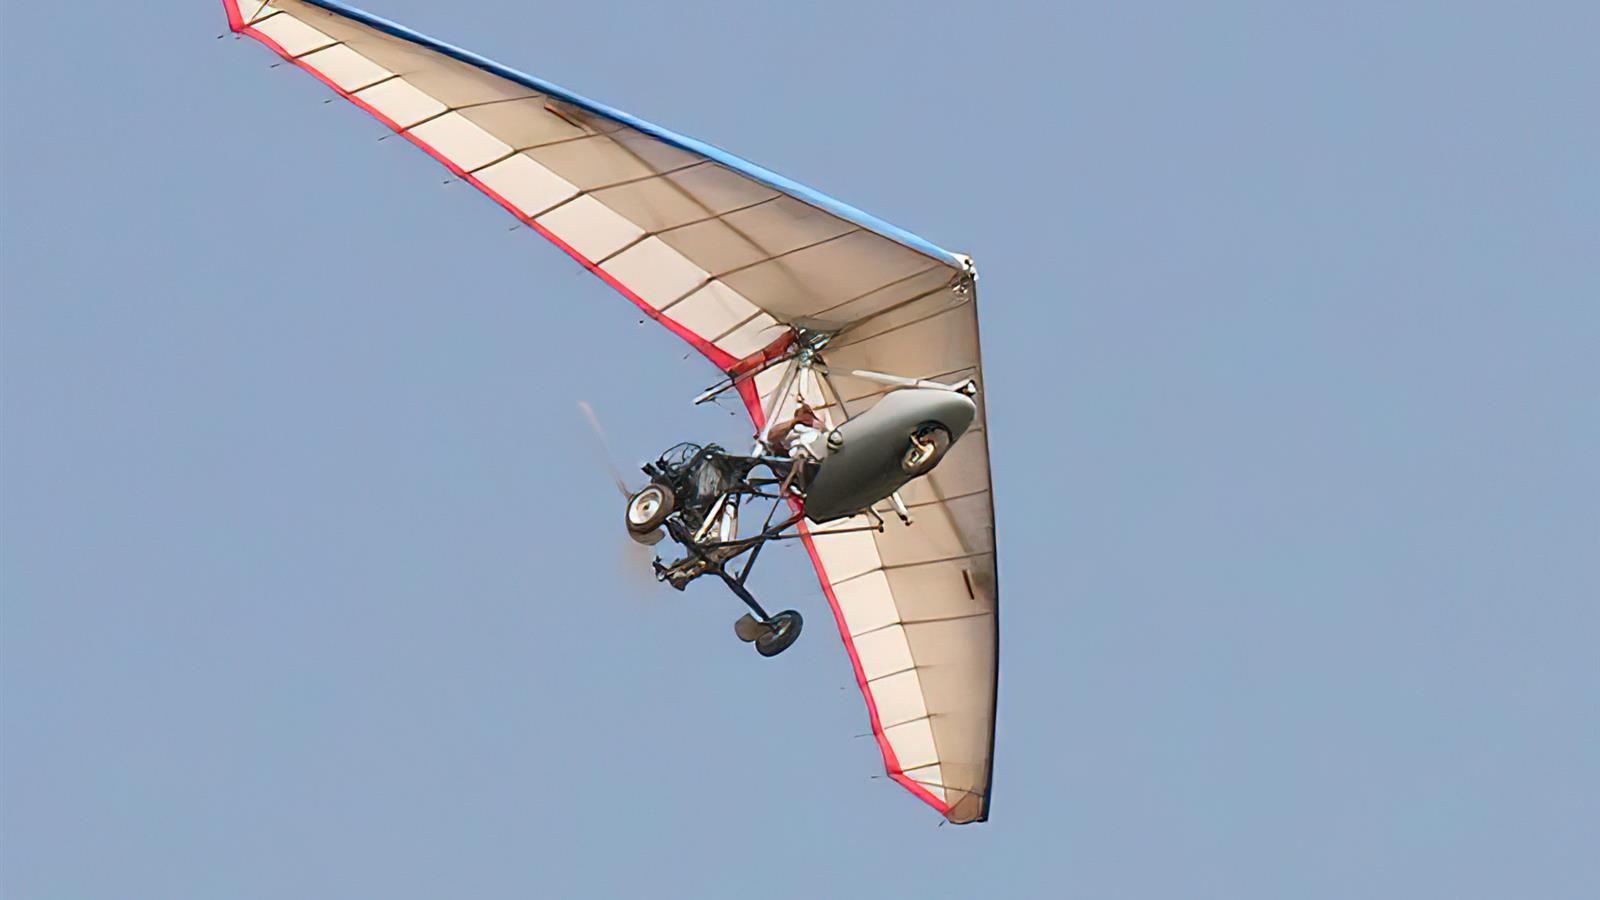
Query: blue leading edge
[[765, 176]]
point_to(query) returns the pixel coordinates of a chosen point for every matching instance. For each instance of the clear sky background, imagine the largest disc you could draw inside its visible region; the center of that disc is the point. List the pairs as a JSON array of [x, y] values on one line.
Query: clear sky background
[[314, 588]]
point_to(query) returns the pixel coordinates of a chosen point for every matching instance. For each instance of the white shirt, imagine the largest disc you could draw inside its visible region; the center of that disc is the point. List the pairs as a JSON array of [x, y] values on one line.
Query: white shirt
[[804, 440]]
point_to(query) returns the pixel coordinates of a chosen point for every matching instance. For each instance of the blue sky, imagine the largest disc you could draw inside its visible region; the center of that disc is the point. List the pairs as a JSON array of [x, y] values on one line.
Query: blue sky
[[313, 587]]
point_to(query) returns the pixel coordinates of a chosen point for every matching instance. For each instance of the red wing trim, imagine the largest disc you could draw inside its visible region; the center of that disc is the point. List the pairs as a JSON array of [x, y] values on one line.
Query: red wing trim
[[890, 763], [719, 358]]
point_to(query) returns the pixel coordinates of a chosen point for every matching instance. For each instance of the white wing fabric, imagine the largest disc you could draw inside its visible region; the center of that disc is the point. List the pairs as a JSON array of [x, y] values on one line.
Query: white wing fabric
[[728, 255]]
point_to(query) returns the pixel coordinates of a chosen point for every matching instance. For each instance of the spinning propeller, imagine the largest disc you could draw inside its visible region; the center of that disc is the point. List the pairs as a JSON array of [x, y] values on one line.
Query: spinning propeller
[[605, 447], [636, 557]]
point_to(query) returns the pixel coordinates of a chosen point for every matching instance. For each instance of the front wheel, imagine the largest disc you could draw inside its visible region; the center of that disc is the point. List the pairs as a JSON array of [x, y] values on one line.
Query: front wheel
[[927, 447], [648, 508], [782, 630]]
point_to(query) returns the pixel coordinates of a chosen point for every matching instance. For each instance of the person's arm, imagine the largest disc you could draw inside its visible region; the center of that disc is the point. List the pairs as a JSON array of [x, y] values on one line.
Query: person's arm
[[777, 434]]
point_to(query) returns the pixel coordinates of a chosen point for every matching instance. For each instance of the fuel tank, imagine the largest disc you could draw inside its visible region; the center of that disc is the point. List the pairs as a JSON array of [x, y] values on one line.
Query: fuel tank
[[865, 454]]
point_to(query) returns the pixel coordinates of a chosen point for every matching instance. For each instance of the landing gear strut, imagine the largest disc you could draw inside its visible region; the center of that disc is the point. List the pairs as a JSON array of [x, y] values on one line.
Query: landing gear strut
[[772, 634]]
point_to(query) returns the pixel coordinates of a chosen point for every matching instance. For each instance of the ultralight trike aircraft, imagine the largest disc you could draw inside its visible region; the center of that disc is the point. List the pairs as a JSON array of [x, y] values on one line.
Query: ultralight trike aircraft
[[818, 474], [851, 343]]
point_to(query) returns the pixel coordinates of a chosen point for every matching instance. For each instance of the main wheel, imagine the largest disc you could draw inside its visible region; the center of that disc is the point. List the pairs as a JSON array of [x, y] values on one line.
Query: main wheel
[[649, 508], [782, 630], [928, 445]]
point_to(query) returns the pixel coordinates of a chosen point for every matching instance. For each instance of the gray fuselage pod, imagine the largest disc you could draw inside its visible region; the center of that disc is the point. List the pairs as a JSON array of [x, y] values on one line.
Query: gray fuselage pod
[[864, 462]]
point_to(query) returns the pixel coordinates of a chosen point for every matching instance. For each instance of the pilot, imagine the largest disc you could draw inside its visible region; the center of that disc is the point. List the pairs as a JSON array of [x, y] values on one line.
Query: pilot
[[801, 436]]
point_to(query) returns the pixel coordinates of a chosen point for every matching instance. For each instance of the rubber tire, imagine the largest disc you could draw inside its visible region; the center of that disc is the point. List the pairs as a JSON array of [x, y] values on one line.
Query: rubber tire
[[667, 503], [783, 630], [940, 436]]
